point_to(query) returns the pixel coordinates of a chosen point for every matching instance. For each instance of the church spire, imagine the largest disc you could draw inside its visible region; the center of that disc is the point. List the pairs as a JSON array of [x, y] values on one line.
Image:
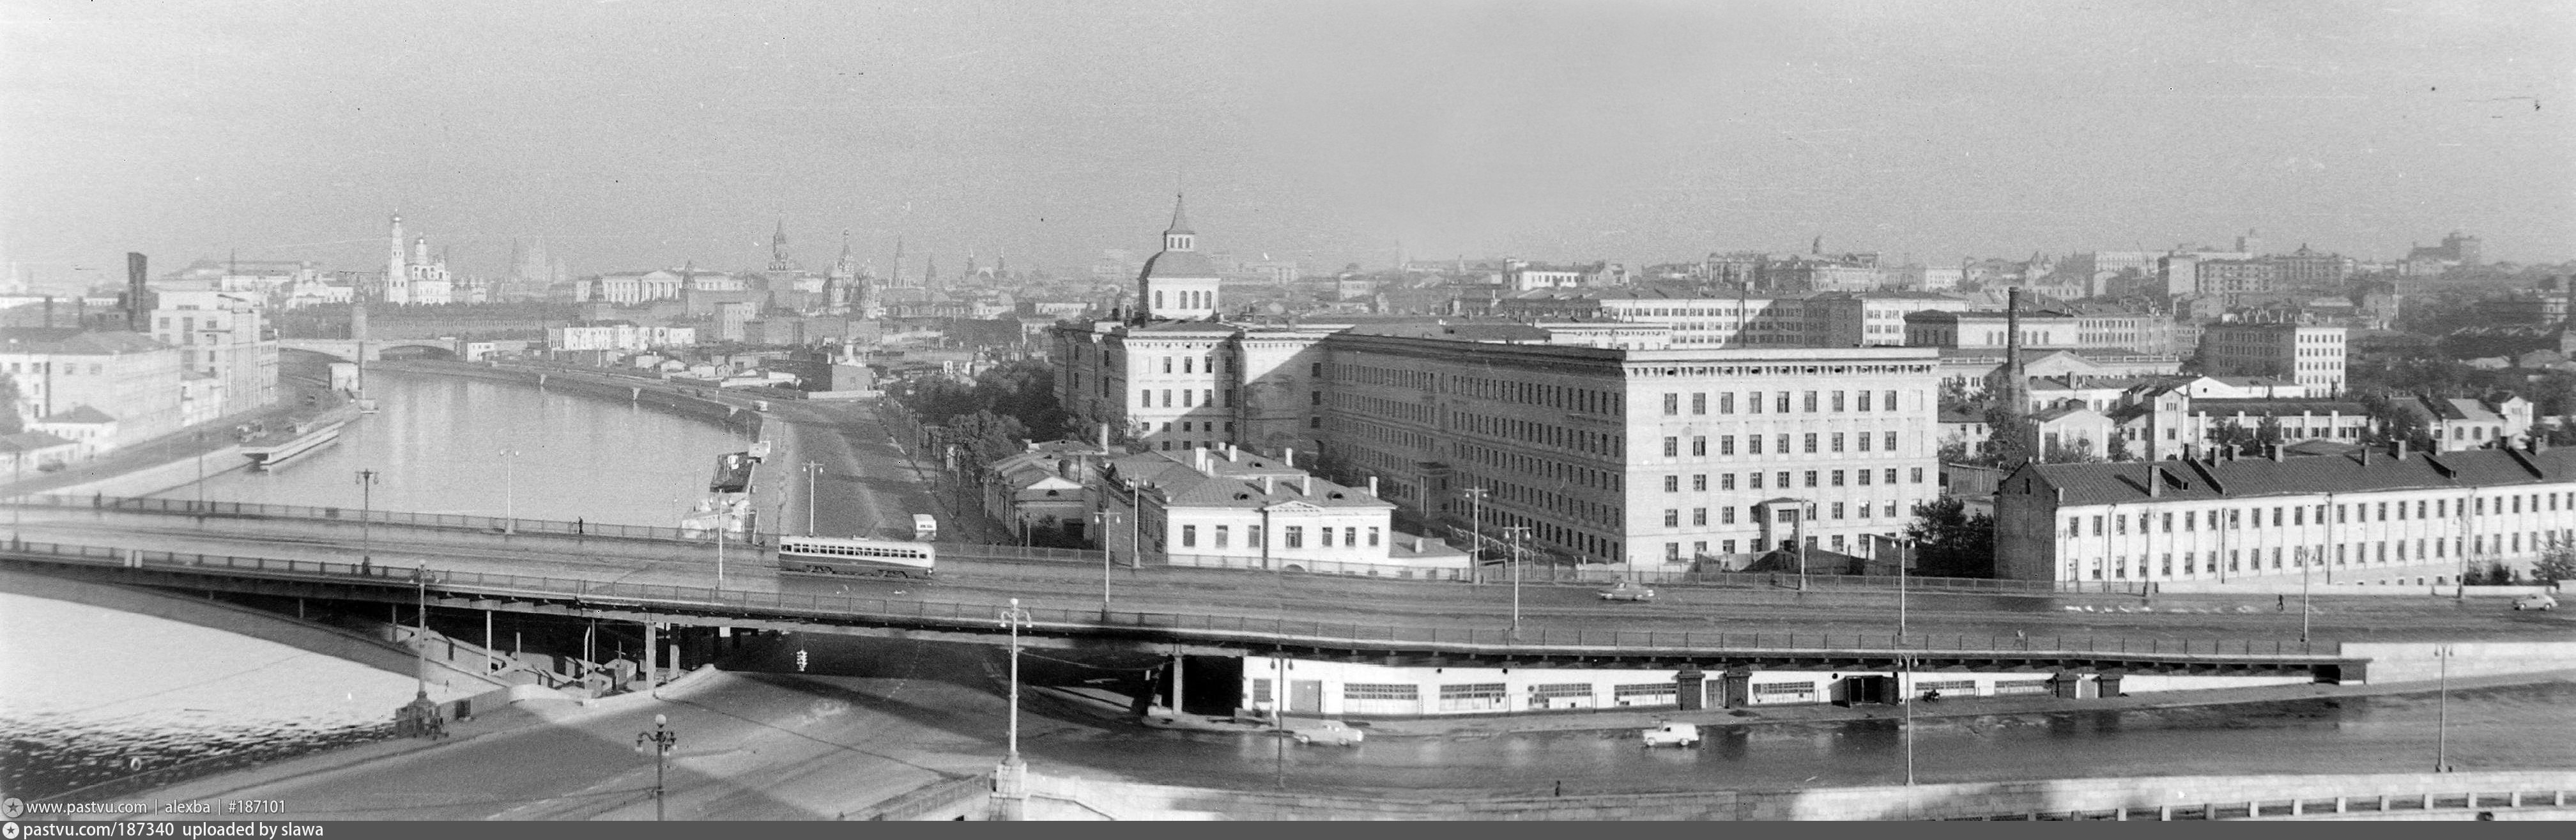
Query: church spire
[[1179, 237]]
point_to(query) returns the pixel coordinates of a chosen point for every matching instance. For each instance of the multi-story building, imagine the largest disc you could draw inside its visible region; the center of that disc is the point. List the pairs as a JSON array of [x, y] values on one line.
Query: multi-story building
[[2309, 354], [1229, 507], [618, 335], [131, 378], [2376, 518], [224, 336], [2456, 424]]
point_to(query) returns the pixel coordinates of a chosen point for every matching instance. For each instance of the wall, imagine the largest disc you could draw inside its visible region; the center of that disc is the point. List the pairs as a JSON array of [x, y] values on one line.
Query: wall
[[1066, 798], [155, 479], [2417, 662]]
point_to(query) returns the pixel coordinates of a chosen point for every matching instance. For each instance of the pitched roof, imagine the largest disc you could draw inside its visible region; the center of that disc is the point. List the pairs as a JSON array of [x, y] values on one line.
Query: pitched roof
[[31, 442], [79, 414], [75, 341], [2126, 483]]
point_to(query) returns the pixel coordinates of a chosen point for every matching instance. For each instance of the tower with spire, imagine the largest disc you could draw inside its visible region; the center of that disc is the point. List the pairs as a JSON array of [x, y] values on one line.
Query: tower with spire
[[396, 290], [1179, 283]]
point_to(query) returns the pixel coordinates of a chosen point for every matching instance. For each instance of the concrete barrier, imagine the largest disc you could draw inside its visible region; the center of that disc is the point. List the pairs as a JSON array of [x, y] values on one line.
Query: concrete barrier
[[159, 478], [1072, 798]]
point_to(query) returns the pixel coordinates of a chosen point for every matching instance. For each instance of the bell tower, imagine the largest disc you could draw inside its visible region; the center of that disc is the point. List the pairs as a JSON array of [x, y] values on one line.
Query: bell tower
[[1180, 283]]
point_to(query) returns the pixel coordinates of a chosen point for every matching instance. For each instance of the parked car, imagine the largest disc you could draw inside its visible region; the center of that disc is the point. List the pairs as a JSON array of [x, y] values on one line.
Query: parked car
[[1628, 590], [1673, 734], [2540, 601], [1326, 731]]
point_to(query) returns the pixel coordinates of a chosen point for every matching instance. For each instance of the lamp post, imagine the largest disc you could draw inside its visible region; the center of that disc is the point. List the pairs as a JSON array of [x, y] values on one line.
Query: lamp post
[[2442, 724], [2305, 565], [1806, 511], [367, 517], [1475, 523], [1105, 518], [813, 474], [662, 739], [1516, 532], [509, 491], [201, 471], [1910, 696], [420, 637], [1014, 617]]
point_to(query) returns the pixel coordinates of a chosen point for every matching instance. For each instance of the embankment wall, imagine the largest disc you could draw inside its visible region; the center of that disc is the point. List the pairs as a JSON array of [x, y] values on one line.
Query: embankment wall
[[1070, 798]]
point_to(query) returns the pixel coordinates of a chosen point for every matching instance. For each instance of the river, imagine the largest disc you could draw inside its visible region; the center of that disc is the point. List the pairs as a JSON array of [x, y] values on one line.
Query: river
[[90, 694]]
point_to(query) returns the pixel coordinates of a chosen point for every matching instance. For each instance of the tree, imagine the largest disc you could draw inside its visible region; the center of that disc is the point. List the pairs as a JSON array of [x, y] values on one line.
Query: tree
[[2079, 452], [2556, 564], [1954, 396], [1949, 542], [10, 423], [2119, 448], [2268, 431], [1954, 452], [2004, 445]]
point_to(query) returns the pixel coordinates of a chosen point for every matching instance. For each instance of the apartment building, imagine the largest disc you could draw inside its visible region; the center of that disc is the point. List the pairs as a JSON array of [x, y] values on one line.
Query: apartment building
[[2370, 517], [2309, 354], [224, 336], [129, 377]]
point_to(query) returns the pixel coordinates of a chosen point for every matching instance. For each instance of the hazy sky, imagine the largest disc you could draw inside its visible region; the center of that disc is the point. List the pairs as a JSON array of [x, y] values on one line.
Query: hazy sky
[[649, 132]]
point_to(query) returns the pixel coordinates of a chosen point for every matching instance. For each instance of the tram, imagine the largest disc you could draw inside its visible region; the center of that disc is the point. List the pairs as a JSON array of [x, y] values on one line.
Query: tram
[[856, 556]]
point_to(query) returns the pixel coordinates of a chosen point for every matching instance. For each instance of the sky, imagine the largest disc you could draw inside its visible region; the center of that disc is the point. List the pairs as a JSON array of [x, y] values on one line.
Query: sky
[[649, 133]]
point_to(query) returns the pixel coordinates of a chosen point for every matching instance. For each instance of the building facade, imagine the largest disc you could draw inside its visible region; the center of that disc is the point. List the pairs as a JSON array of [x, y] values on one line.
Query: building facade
[[2371, 517], [2309, 354], [224, 336]]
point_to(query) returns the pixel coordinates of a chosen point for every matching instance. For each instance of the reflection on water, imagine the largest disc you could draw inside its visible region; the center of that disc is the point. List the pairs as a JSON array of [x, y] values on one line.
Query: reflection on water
[[437, 445], [89, 694]]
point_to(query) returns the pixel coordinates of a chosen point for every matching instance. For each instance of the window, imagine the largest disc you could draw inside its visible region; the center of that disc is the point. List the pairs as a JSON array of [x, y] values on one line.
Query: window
[[1699, 516], [1189, 536], [1809, 402], [1672, 404], [1699, 447], [1781, 402], [1726, 403], [1324, 537], [1252, 536], [1672, 517], [1726, 481], [1864, 400], [1811, 478], [1672, 447], [1864, 441], [1753, 443], [1699, 403], [1314, 398], [1784, 480], [1838, 478], [1753, 402], [1372, 536], [1891, 401], [1918, 475], [1167, 360], [1220, 536], [1672, 484], [1296, 536], [1672, 552], [1838, 514], [1838, 436], [1351, 536], [1863, 475], [1470, 697], [1891, 442], [1726, 516]]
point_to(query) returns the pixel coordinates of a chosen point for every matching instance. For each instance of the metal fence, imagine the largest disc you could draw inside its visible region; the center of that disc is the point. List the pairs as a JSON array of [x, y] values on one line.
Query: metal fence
[[1202, 626]]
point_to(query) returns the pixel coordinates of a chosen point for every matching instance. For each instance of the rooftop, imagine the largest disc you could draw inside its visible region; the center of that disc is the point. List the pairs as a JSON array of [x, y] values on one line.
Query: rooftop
[[2362, 470]]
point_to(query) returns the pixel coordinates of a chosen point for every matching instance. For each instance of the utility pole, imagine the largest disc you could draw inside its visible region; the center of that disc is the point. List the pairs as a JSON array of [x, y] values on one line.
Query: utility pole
[[2442, 725], [1806, 511], [201, 472], [367, 517], [1105, 518], [1010, 783], [420, 637]]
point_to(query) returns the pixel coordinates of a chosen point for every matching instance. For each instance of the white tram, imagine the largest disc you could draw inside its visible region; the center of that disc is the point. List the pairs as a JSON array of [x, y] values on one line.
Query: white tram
[[854, 556]]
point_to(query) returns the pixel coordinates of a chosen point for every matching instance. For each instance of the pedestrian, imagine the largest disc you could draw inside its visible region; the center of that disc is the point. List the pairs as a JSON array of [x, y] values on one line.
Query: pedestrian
[[2282, 602], [366, 565], [1560, 787], [580, 526]]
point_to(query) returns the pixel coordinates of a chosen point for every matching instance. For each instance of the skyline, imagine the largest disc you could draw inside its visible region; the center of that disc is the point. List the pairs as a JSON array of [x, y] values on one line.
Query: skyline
[[1323, 132]]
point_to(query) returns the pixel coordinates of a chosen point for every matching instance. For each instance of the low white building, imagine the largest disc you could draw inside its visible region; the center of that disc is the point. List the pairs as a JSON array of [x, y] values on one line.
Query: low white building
[[618, 335], [2369, 517], [1233, 508]]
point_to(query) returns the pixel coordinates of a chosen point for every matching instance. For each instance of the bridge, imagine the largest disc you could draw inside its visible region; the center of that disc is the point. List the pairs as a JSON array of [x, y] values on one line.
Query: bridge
[[1077, 601], [347, 349]]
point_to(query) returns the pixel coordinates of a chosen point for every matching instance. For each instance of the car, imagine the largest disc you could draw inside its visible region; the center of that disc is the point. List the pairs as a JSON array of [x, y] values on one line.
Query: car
[[1674, 734], [1326, 731], [2535, 602], [1628, 590]]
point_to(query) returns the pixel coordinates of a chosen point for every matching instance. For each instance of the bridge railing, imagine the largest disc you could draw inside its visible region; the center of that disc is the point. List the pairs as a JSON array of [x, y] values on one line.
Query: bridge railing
[[1281, 629], [1533, 573]]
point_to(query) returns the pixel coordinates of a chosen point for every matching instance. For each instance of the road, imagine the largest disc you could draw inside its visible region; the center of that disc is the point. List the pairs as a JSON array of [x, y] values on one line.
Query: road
[[986, 583]]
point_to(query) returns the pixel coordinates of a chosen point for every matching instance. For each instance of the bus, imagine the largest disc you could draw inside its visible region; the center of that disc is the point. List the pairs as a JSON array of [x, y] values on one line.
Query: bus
[[924, 527], [855, 556]]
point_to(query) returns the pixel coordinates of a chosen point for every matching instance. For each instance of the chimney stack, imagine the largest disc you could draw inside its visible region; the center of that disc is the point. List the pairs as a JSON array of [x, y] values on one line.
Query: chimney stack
[[1104, 439], [2402, 446], [1306, 484], [2276, 452], [2155, 480], [1287, 456], [138, 296], [1372, 489], [2365, 456]]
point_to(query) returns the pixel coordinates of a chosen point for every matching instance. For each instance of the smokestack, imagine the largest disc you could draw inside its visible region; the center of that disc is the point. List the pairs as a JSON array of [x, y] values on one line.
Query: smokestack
[[2016, 379], [138, 303]]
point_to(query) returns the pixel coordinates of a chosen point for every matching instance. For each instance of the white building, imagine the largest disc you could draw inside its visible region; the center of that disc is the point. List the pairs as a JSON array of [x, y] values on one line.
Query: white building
[[2365, 518], [618, 336], [223, 335], [2309, 354], [1232, 508]]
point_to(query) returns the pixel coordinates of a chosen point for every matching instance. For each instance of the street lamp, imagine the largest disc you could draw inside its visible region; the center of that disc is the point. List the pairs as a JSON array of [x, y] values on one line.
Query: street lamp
[[662, 739], [509, 492], [1806, 511], [367, 517], [1105, 518], [813, 473], [1516, 532], [1475, 524], [201, 471], [1013, 617], [2442, 724]]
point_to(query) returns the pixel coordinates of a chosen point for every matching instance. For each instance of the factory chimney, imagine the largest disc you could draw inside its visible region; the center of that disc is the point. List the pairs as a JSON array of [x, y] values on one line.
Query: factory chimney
[[138, 297]]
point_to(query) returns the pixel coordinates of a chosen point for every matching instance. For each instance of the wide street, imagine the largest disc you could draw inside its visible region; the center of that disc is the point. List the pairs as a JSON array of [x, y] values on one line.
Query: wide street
[[1073, 585]]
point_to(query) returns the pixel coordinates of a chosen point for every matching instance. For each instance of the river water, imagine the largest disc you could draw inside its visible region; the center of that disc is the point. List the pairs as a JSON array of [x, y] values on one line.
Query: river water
[[89, 694]]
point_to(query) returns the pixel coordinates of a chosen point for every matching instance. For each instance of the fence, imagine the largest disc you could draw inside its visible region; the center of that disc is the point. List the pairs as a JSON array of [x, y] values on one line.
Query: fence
[[1202, 626], [2419, 804]]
